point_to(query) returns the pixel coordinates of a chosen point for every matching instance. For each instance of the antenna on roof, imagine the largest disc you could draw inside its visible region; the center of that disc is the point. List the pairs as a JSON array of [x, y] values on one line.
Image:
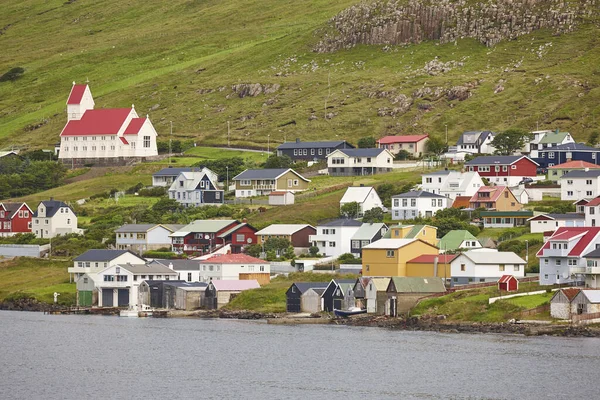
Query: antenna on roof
[[87, 80], [132, 106], [74, 83]]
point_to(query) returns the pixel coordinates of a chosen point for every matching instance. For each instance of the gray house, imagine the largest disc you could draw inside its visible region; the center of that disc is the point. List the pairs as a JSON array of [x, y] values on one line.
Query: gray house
[[311, 151]]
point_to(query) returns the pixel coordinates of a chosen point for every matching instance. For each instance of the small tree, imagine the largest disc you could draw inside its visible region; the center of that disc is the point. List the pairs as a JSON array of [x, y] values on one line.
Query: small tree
[[435, 145], [367, 142], [373, 215], [254, 250], [593, 139], [402, 155], [350, 210], [509, 141], [12, 75], [278, 162], [313, 251]]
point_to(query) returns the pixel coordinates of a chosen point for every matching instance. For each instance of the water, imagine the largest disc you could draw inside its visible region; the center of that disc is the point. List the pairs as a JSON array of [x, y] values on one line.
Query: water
[[75, 357]]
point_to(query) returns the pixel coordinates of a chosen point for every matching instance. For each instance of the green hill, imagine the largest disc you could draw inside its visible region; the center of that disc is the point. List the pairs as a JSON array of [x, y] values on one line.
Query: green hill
[[201, 64]]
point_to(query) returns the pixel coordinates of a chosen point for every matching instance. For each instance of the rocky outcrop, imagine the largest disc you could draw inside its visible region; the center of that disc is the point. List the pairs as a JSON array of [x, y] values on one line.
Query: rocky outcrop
[[254, 89], [394, 22]]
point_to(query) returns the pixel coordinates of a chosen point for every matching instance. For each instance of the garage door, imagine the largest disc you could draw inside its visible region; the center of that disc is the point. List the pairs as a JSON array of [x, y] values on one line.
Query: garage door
[[85, 298], [293, 304], [107, 298], [123, 297]]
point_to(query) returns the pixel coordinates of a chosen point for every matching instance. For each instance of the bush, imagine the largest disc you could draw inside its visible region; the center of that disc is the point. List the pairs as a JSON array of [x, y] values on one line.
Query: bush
[[167, 255], [157, 191], [12, 75]]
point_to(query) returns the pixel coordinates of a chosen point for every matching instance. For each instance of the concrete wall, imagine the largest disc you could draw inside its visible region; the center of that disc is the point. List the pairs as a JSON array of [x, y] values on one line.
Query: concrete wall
[[23, 250]]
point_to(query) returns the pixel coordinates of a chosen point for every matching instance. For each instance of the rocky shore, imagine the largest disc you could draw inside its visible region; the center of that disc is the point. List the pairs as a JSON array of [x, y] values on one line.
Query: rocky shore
[[28, 304]]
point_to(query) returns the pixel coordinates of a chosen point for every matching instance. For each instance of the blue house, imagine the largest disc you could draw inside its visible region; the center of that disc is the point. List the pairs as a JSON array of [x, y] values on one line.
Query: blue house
[[567, 152]]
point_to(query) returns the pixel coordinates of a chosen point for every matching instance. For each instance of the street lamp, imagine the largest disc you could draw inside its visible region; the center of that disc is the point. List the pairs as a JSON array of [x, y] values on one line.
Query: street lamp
[[446, 125], [227, 187], [526, 254], [268, 144]]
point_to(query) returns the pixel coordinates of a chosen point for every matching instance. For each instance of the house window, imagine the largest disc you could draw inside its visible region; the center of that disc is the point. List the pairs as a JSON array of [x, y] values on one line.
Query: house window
[[289, 182], [240, 237], [504, 168], [121, 278], [85, 280], [296, 182], [588, 193], [320, 151], [390, 253], [463, 267], [295, 152], [413, 202], [404, 202], [433, 202], [440, 203], [305, 151], [513, 167], [331, 244], [569, 193], [245, 182], [588, 181], [189, 279], [262, 268], [356, 244], [558, 262], [501, 267], [516, 268], [428, 180], [550, 154], [218, 195], [312, 152], [146, 141]]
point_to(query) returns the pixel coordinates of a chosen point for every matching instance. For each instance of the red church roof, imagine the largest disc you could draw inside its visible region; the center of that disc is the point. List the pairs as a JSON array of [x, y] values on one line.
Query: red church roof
[[105, 121], [76, 94], [402, 139], [566, 233], [134, 126]]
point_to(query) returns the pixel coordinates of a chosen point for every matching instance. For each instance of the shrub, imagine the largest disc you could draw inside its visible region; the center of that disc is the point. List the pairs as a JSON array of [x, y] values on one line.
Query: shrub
[[157, 191], [12, 75]]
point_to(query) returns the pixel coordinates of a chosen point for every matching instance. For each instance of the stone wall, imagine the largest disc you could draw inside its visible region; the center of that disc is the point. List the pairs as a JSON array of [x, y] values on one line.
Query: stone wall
[[394, 22]]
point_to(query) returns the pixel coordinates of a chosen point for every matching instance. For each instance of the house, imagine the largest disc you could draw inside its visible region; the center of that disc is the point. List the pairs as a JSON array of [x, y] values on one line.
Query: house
[[405, 292], [261, 182], [172, 294], [576, 185], [550, 222], [562, 255], [521, 194], [365, 235], [140, 238], [586, 302], [295, 292], [388, 257], [194, 189], [555, 172], [365, 196], [376, 294], [166, 176], [219, 293], [334, 238], [297, 234], [86, 293], [53, 218], [187, 270], [152, 293], [358, 162], [118, 284], [508, 283], [591, 271], [567, 152], [93, 261], [458, 239], [560, 303], [476, 142], [235, 267], [359, 289], [485, 265], [419, 203], [426, 233], [15, 218], [338, 295], [311, 151], [580, 205], [114, 136], [505, 219], [503, 170], [206, 236], [498, 198], [434, 265], [281, 198], [545, 139], [312, 300], [414, 144], [451, 184]]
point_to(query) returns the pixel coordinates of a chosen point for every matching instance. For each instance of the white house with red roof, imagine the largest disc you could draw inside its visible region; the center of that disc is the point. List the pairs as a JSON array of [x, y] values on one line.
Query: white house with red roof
[[106, 136], [562, 256], [414, 144], [592, 212], [234, 267]]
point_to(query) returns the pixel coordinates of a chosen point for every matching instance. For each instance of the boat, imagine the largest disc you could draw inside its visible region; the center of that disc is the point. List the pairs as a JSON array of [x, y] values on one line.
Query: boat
[[349, 312], [135, 312]]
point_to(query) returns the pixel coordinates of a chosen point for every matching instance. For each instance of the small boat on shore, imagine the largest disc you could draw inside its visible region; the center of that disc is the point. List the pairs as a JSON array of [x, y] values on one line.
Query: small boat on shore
[[349, 312]]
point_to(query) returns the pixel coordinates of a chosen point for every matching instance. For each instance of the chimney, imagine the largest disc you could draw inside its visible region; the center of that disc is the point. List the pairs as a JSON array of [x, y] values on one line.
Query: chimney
[[170, 265], [587, 169], [297, 140]]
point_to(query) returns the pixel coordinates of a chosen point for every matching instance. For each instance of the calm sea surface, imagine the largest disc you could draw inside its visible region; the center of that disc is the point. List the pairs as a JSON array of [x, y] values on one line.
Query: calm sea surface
[[75, 357]]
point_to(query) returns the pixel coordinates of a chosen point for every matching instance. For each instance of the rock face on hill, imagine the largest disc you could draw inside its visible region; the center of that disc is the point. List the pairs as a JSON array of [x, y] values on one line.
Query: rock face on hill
[[394, 22]]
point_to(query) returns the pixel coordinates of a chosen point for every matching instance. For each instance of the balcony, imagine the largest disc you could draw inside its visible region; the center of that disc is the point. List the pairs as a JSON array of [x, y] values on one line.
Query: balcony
[[321, 238], [578, 270], [264, 187]]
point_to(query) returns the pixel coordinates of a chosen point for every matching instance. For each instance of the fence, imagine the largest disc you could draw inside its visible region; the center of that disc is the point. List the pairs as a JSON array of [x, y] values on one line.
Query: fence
[[260, 202], [537, 310], [578, 318], [488, 284]]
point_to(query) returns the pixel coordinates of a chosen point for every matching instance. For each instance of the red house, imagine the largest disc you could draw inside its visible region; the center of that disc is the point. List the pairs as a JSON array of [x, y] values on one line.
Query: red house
[[504, 170], [15, 218], [508, 283], [205, 236]]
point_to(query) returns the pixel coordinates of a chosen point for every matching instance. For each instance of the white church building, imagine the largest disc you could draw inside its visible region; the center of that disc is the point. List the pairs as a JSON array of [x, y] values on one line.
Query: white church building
[[110, 136]]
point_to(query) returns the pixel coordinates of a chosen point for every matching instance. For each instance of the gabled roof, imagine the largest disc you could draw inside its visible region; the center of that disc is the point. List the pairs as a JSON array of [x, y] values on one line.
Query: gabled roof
[[381, 283], [314, 145], [495, 193], [52, 207], [402, 139], [358, 194], [472, 137], [558, 217], [593, 296], [150, 268], [513, 214], [233, 259], [134, 126], [506, 278], [367, 231], [360, 152], [235, 286], [554, 137], [192, 180], [304, 286], [12, 208], [235, 228], [453, 239], [107, 121], [76, 94], [569, 147], [272, 173], [578, 164], [418, 194], [342, 222], [283, 229], [171, 171], [493, 257], [404, 284], [461, 202], [578, 173], [430, 258], [103, 255], [569, 293], [389, 244], [566, 233], [497, 160], [204, 226], [594, 202], [179, 265]]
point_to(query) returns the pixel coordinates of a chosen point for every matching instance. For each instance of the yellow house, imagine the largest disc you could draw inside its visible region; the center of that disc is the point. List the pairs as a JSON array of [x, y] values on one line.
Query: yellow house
[[427, 233], [388, 257], [261, 182]]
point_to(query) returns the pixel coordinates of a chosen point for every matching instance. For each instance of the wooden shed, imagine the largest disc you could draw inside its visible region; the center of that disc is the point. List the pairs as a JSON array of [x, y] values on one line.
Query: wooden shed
[[376, 295], [310, 301], [508, 283], [560, 303], [191, 296], [329, 303], [586, 302], [281, 198], [405, 292], [152, 293], [218, 293], [359, 288], [296, 290], [87, 294], [343, 296]]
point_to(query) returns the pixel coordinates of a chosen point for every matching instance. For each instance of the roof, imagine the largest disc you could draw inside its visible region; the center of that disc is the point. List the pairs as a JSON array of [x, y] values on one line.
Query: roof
[[134, 126], [497, 160], [578, 173], [564, 233], [102, 255], [471, 137], [107, 121], [281, 193], [150, 268], [405, 284], [123, 140], [172, 171], [594, 202], [358, 194], [361, 152], [192, 180], [368, 230], [419, 194], [554, 137], [570, 146], [76, 94], [402, 139], [312, 145], [493, 257], [52, 207], [272, 173], [592, 295], [430, 258], [569, 293], [135, 228], [389, 244], [495, 193], [461, 202], [506, 213], [579, 164], [453, 239], [304, 286], [204, 226], [180, 265], [381, 284], [235, 285], [13, 208], [282, 229], [559, 217], [342, 222], [8, 153], [233, 259], [235, 228]]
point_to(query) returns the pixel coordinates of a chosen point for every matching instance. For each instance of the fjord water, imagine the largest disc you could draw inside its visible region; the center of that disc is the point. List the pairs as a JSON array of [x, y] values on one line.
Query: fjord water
[[75, 357]]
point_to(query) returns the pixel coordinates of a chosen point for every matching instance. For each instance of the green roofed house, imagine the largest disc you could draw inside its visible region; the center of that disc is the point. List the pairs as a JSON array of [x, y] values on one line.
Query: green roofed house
[[459, 239], [405, 292], [426, 233]]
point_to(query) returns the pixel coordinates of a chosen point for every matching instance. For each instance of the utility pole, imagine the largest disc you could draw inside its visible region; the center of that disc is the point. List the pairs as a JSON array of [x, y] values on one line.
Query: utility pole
[[228, 134], [446, 125], [170, 140], [268, 144], [227, 187]]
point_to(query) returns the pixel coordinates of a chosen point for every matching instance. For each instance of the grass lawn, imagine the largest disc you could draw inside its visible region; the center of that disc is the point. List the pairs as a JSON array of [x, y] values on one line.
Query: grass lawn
[[531, 301]]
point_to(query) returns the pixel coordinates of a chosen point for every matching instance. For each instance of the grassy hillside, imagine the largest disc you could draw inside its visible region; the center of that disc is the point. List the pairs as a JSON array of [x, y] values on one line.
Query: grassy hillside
[[178, 62]]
